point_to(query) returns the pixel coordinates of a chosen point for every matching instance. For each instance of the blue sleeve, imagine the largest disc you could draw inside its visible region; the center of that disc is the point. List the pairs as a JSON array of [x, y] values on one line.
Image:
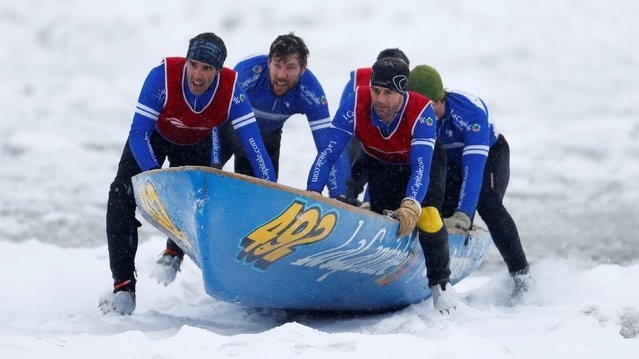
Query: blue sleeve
[[348, 89], [243, 120], [342, 168], [421, 154], [334, 141], [326, 158], [473, 162], [340, 171], [319, 120], [345, 116], [148, 108], [244, 70], [216, 148]]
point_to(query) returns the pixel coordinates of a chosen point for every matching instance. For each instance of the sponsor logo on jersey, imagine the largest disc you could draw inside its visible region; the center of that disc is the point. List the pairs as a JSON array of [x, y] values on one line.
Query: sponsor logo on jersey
[[312, 96], [429, 121], [459, 120], [239, 99], [257, 69], [177, 123]]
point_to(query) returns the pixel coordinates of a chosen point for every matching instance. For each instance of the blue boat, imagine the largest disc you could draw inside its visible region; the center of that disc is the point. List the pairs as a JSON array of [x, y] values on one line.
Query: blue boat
[[267, 245]]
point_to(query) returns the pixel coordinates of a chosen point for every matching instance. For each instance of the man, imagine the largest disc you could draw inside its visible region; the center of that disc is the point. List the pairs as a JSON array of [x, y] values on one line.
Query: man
[[278, 86], [397, 132], [478, 168], [362, 75], [180, 103], [356, 181]]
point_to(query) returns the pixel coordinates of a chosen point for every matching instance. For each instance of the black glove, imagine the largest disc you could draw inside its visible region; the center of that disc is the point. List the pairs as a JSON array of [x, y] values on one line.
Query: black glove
[[348, 200]]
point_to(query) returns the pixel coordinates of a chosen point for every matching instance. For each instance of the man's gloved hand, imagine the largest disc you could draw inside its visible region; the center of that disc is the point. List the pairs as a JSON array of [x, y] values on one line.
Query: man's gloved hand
[[458, 220], [349, 200], [407, 215]]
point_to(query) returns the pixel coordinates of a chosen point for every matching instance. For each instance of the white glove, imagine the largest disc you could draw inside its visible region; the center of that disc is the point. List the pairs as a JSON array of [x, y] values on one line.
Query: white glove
[[458, 220]]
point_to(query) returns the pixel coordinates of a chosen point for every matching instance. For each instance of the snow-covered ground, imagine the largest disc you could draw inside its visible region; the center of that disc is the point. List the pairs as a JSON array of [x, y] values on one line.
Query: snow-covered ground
[[560, 77]]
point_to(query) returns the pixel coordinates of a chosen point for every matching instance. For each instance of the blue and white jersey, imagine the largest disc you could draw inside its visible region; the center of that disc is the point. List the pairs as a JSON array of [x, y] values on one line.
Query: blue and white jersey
[[152, 100], [358, 77], [418, 123], [306, 98], [467, 132], [349, 88]]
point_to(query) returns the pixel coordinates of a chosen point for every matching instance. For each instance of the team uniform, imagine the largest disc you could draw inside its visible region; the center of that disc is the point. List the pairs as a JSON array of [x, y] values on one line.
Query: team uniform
[[306, 98], [478, 171], [360, 162], [399, 156], [358, 77], [172, 123]]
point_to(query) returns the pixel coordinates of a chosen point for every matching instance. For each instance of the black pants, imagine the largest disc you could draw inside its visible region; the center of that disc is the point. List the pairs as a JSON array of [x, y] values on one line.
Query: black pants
[[230, 145], [387, 187], [490, 206], [121, 224]]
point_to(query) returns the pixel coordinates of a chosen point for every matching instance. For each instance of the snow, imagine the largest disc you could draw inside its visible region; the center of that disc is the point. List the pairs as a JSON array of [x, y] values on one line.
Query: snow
[[560, 78]]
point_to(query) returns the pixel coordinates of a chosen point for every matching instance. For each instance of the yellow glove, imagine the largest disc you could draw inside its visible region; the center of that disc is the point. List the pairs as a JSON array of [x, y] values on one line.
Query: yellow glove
[[407, 215], [458, 220]]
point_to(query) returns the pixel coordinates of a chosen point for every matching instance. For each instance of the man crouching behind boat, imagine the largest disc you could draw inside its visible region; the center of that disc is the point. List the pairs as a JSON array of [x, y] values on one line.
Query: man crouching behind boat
[[397, 130], [182, 101]]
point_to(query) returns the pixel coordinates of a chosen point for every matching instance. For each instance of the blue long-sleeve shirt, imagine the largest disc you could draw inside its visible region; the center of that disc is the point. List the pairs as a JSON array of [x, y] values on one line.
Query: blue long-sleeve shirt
[[152, 100], [467, 132], [343, 128], [306, 98], [349, 88]]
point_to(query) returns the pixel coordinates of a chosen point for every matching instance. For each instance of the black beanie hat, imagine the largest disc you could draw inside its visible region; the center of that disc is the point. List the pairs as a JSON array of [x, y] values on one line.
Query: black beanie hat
[[391, 73], [393, 52], [208, 48]]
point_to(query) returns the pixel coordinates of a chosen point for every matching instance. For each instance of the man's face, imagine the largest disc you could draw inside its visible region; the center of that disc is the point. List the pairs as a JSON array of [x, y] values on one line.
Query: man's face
[[386, 103], [439, 108], [284, 73], [200, 76]]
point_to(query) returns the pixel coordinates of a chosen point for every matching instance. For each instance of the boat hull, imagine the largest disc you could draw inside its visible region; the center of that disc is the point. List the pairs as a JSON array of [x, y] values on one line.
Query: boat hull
[[263, 244]]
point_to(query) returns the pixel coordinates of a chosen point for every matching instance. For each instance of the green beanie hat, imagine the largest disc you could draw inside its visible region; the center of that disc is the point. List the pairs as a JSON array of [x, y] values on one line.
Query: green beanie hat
[[425, 80]]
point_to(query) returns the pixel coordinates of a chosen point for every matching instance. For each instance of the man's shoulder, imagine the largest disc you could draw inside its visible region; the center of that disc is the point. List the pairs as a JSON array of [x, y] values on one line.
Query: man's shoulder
[[310, 85], [467, 104], [251, 69], [417, 98], [464, 98], [158, 69], [250, 61], [310, 90], [309, 79], [155, 81]]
